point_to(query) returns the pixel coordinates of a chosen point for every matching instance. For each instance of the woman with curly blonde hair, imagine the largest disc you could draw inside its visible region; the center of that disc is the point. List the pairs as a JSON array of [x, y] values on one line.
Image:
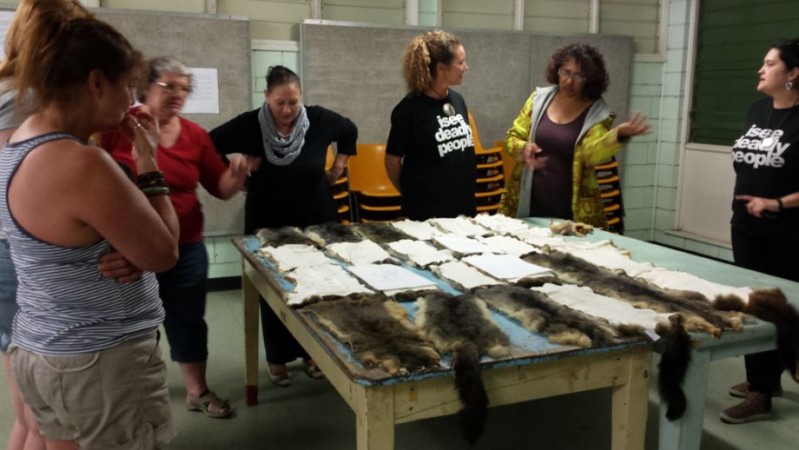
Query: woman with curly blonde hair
[[430, 150]]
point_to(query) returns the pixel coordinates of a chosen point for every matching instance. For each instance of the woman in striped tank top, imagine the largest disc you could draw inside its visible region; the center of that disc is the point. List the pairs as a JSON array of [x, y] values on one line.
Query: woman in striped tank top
[[63, 205]]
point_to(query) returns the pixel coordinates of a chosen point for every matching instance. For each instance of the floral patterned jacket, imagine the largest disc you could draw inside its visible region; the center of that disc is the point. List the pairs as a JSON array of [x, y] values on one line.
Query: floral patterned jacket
[[596, 143]]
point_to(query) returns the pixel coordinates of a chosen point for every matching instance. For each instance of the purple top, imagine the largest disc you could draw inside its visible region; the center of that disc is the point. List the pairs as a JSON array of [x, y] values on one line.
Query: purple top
[[552, 185]]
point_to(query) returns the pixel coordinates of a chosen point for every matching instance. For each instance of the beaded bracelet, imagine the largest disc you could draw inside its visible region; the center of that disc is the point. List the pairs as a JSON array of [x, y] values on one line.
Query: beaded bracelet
[[155, 190], [150, 179]]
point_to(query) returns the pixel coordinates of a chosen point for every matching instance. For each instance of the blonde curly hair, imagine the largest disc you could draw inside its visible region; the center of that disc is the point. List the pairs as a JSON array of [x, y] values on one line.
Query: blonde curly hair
[[423, 54]]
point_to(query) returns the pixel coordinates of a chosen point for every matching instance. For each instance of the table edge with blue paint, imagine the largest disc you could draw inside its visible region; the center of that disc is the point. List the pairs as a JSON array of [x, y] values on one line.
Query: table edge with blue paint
[[380, 401]]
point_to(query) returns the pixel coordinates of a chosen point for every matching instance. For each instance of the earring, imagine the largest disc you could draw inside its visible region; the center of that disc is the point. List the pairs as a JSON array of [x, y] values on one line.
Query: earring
[[788, 85]]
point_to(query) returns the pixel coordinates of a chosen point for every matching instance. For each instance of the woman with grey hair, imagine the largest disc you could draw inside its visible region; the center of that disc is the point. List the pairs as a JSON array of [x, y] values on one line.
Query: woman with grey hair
[[187, 158]]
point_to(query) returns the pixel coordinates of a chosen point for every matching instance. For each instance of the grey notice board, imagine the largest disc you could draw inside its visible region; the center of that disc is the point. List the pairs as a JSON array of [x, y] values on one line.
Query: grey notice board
[[354, 69], [206, 41]]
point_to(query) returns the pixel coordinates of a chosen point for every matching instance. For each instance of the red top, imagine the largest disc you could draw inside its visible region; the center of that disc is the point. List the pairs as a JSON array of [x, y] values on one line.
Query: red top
[[191, 160]]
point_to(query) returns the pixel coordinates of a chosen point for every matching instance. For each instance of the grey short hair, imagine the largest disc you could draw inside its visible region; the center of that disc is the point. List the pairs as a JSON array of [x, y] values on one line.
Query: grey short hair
[[155, 67]]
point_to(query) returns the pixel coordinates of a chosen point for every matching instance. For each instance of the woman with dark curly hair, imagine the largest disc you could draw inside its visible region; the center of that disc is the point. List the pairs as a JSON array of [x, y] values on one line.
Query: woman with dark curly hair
[[561, 133]]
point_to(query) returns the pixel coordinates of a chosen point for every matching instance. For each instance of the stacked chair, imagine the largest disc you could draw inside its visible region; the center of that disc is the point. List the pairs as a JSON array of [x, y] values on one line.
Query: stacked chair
[[610, 184], [490, 173], [341, 191], [508, 161], [375, 199]]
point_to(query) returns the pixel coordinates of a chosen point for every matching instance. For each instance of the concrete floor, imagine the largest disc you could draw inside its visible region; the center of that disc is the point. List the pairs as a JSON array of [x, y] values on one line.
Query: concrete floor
[[310, 414]]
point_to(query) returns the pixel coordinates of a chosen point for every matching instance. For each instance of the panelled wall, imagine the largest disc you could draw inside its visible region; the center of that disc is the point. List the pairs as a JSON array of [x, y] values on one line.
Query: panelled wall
[[649, 180]]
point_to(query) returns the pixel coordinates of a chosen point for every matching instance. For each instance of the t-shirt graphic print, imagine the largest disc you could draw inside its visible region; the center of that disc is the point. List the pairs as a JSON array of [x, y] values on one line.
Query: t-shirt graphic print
[[434, 139], [766, 162], [454, 133]]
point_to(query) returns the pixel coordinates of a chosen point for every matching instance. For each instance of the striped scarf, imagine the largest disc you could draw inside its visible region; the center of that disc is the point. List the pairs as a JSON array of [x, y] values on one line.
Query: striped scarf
[[282, 151]]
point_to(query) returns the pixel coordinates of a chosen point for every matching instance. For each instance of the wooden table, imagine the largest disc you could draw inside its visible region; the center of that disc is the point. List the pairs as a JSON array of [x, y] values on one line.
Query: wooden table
[[536, 370], [686, 433]]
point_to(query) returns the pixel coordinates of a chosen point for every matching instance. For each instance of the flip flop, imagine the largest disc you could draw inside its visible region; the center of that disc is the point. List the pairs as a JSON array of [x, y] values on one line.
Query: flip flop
[[210, 404]]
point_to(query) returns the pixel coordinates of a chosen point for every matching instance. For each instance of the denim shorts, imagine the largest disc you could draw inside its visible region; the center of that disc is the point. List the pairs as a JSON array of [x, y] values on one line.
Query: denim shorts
[[8, 295]]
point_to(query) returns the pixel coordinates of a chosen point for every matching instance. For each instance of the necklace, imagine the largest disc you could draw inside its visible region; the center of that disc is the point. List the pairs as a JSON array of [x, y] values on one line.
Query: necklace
[[769, 141], [440, 96], [449, 110]]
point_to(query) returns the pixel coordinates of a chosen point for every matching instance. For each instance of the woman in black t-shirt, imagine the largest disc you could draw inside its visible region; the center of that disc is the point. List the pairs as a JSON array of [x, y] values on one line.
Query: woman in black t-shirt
[[765, 217], [430, 151]]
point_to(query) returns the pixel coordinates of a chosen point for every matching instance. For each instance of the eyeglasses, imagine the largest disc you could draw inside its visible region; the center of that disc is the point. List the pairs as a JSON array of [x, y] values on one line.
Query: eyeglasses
[[578, 78], [174, 88]]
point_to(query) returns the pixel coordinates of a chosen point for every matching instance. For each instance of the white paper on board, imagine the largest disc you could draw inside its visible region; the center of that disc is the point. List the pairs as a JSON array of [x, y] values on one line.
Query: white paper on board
[[389, 277], [504, 267], [204, 98]]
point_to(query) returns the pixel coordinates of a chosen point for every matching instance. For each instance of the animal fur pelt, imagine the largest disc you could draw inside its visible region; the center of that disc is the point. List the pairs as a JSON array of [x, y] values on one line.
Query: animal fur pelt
[[569, 228], [697, 312], [282, 236], [378, 332], [561, 324], [772, 306], [463, 326], [331, 233], [379, 232], [411, 296], [538, 281], [675, 358]]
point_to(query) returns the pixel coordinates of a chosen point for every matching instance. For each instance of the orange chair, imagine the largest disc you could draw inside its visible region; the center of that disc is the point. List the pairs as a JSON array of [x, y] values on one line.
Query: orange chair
[[508, 161], [491, 172], [490, 184], [489, 199], [478, 145], [375, 196], [610, 185], [341, 190]]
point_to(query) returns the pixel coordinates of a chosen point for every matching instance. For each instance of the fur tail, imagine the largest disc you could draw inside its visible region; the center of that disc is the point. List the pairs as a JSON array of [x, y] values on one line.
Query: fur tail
[[471, 392], [674, 361], [772, 306]]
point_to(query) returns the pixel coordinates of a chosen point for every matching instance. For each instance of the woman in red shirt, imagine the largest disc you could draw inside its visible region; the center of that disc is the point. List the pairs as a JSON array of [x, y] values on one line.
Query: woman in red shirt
[[188, 158]]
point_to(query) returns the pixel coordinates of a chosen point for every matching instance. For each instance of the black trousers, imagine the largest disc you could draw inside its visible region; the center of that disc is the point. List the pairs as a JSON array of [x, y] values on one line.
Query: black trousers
[[772, 255], [280, 345]]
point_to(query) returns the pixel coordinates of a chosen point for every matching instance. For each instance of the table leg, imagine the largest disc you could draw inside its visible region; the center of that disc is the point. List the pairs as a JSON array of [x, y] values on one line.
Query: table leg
[[686, 433], [374, 417], [630, 403], [251, 321]]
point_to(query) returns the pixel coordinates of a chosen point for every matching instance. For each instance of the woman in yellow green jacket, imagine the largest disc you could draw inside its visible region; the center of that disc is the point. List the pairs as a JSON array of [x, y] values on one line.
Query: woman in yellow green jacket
[[562, 132]]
